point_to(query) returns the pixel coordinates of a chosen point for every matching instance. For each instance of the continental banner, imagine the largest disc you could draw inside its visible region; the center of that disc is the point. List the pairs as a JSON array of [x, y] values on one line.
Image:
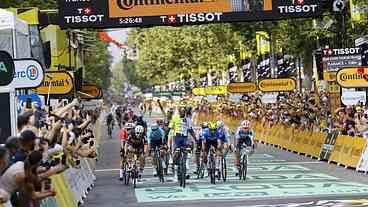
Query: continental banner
[[275, 85], [241, 87], [133, 13], [56, 83], [215, 90], [353, 77], [91, 92]]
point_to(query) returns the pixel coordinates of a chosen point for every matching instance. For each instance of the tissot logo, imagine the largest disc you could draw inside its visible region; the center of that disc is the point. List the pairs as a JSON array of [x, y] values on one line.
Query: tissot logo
[[341, 51], [191, 18], [85, 16], [129, 4], [298, 6]]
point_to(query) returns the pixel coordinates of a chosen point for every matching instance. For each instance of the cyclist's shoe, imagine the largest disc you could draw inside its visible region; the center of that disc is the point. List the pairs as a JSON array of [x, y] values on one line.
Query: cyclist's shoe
[[187, 177], [155, 173], [121, 179], [238, 172]]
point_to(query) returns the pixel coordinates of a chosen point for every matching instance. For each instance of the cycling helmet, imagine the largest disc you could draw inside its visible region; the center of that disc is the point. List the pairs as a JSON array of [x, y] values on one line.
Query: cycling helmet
[[139, 130], [154, 126], [212, 125], [220, 124], [205, 125], [245, 124]]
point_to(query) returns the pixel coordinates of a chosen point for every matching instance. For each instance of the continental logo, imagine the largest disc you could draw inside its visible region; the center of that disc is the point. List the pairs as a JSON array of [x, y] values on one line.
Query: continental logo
[[141, 8], [241, 87], [353, 77], [274, 85], [130, 4]]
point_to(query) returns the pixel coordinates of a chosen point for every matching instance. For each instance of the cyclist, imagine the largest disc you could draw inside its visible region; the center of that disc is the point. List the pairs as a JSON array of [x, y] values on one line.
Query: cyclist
[[125, 132], [136, 145], [223, 135], [243, 135], [210, 140], [200, 143], [118, 112], [156, 138], [110, 123], [181, 126]]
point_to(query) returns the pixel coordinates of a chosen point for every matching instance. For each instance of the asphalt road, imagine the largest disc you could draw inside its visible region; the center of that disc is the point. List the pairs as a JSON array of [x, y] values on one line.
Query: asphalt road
[[276, 178]]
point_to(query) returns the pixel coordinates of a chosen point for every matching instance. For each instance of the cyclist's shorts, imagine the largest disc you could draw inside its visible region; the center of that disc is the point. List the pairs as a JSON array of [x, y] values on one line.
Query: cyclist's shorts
[[224, 140], [246, 141], [155, 143], [136, 149], [180, 141], [210, 143], [199, 145]]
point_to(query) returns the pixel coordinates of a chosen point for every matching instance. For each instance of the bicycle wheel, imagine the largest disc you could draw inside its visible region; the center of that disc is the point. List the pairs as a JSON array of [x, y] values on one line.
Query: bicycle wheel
[[134, 177], [126, 175], [212, 169], [183, 170], [245, 167], [223, 169], [159, 168]]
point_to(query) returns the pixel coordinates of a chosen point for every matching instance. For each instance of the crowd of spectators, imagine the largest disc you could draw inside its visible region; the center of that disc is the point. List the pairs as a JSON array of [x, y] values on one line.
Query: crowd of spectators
[[302, 110], [49, 141]]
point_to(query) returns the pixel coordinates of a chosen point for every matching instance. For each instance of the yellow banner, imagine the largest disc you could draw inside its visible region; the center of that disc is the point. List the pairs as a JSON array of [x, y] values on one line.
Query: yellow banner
[[353, 77], [29, 15], [329, 76], [56, 83], [199, 91], [241, 87], [263, 43], [359, 10], [91, 92], [333, 87], [129, 8], [274, 85], [215, 90]]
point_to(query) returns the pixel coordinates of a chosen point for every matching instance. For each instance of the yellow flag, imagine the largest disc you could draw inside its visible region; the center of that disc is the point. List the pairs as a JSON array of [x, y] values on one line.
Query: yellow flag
[[359, 10], [263, 43]]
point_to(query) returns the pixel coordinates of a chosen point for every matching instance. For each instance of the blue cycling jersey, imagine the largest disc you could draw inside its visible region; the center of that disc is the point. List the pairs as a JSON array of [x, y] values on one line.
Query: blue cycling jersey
[[209, 134]]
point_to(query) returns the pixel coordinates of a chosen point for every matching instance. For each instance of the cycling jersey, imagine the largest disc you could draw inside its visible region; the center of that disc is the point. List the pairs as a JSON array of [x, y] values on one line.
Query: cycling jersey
[[123, 134], [209, 134], [223, 134], [245, 136], [180, 125], [154, 135]]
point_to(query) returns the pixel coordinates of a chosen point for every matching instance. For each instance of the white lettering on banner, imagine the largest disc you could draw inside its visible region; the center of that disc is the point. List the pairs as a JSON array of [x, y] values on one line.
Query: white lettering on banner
[[350, 98], [192, 18], [84, 18], [342, 51], [298, 9]]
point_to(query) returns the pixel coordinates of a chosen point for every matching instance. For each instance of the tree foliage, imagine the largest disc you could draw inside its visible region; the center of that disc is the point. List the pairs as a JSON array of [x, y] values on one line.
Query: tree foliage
[[97, 65], [42, 4]]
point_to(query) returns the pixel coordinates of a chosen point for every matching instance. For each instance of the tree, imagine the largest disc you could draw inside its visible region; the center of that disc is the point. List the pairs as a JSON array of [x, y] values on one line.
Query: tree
[[42, 4], [97, 65]]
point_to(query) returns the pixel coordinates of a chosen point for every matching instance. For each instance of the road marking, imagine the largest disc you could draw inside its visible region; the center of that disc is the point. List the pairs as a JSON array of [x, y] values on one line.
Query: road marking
[[260, 178], [326, 203], [248, 191]]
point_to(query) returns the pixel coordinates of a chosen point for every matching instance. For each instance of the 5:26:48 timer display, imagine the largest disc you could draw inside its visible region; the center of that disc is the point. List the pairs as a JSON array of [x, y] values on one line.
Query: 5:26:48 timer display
[[131, 20]]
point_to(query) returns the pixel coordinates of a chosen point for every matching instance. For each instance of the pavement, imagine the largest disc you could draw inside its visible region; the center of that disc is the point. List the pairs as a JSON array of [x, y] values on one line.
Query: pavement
[[276, 178]]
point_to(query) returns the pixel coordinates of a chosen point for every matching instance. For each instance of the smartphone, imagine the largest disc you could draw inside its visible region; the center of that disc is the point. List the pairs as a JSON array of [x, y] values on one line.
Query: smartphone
[[29, 103]]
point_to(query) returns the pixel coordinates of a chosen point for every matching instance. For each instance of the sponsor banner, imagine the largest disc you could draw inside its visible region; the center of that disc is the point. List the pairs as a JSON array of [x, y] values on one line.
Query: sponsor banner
[[133, 13], [329, 76], [6, 68], [241, 87], [249, 191], [215, 90], [235, 98], [22, 99], [356, 77], [91, 105], [56, 83], [273, 85], [363, 163], [333, 87], [199, 91], [28, 74], [328, 146], [351, 98], [335, 59], [91, 92], [269, 98]]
